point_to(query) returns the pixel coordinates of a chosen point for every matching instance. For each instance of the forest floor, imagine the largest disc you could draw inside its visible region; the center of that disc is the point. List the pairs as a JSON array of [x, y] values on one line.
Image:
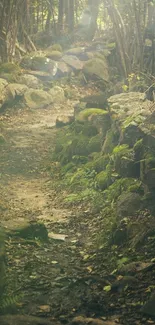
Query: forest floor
[[55, 279]]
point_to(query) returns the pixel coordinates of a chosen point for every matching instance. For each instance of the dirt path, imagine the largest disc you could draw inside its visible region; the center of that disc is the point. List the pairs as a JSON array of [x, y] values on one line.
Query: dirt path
[[45, 278], [24, 160]]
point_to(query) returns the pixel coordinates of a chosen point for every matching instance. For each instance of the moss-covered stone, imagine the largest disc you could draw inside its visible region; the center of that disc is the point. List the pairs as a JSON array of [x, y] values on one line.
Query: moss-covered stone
[[87, 113], [98, 164], [111, 140], [124, 163], [55, 47], [102, 180], [54, 55], [119, 186], [128, 204], [97, 67]]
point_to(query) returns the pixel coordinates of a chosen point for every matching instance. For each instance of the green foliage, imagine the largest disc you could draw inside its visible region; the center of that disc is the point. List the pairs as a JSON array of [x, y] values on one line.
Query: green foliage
[[86, 113], [56, 47], [119, 186], [138, 145], [102, 180], [98, 164], [9, 303]]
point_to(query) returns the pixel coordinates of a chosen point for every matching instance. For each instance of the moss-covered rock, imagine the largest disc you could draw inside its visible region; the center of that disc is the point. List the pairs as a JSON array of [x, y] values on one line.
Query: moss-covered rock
[[86, 114], [119, 186], [54, 55], [97, 67], [111, 140], [128, 204], [99, 164], [55, 47], [102, 180], [35, 98], [124, 163]]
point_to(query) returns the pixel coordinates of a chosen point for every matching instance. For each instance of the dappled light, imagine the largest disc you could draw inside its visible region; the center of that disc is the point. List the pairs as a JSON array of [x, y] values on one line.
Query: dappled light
[[77, 162]]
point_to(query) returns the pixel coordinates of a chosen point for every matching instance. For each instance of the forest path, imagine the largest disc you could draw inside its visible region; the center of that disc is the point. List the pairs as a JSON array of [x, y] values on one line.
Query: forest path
[[52, 278], [24, 160]]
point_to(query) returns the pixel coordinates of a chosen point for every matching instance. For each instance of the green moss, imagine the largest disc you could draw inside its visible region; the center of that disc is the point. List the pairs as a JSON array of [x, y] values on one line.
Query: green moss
[[121, 150], [86, 113], [102, 180], [10, 68], [98, 164], [120, 186], [87, 129], [95, 144], [56, 47], [69, 167], [111, 140], [54, 55]]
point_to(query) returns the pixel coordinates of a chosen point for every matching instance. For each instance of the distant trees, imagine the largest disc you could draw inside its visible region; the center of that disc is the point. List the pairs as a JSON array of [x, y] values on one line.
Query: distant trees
[[130, 22]]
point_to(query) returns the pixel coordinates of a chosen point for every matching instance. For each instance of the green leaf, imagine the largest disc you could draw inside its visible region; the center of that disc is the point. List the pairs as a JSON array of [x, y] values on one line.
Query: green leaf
[[107, 288]]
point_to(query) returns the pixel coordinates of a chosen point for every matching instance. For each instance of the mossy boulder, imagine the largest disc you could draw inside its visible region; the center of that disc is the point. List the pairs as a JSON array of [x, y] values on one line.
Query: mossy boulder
[[98, 164], [96, 68], [54, 47], [54, 55], [15, 90], [111, 140], [35, 98], [128, 204], [102, 180], [119, 186], [30, 81], [39, 63], [124, 163]]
